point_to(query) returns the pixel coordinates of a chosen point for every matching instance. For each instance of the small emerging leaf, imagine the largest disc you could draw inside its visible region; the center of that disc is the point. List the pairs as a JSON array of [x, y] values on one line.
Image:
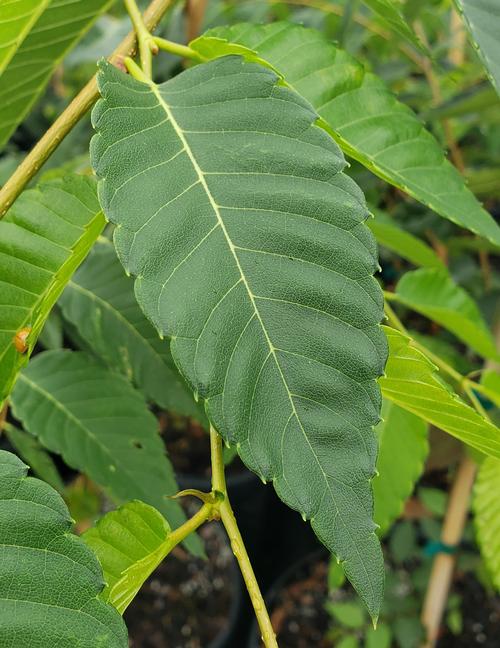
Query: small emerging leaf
[[130, 543]]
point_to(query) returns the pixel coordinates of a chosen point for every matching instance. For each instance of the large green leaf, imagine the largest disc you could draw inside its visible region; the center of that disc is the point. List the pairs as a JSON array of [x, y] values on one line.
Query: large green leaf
[[482, 18], [434, 294], [59, 25], [130, 543], [43, 238], [403, 447], [49, 579], [16, 19], [251, 253], [99, 301], [392, 236], [361, 114], [99, 424], [486, 505], [390, 12], [412, 382]]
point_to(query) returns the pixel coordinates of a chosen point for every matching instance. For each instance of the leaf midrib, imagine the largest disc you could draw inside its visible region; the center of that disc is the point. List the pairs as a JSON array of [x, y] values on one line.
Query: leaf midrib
[[272, 349]]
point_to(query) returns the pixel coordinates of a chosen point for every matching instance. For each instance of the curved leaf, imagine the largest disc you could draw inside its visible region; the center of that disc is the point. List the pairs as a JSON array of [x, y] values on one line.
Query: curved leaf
[[57, 28], [482, 18], [99, 301], [403, 448], [412, 383], [130, 543], [250, 251], [49, 579], [31, 451], [43, 239], [362, 115], [16, 20], [99, 424], [486, 506], [433, 293], [389, 11], [392, 236]]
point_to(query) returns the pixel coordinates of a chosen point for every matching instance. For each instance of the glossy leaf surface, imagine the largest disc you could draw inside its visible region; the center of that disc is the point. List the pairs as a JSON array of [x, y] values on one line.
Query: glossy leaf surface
[[251, 253]]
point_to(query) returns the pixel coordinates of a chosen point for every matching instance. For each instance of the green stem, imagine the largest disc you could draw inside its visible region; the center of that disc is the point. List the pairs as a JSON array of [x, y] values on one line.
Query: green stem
[[237, 545], [68, 119], [206, 512], [178, 49], [147, 45]]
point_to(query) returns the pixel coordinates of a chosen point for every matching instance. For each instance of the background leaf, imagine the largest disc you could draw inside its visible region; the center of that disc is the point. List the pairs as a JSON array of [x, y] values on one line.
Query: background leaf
[[433, 293], [16, 20], [362, 115], [412, 383], [99, 424], [482, 18], [486, 506], [43, 238], [403, 448], [49, 579], [99, 301], [57, 29], [391, 235], [130, 543], [31, 451], [251, 253], [389, 11]]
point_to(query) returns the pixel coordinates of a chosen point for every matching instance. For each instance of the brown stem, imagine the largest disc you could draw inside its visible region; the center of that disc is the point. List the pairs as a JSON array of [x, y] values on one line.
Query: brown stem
[[72, 115]]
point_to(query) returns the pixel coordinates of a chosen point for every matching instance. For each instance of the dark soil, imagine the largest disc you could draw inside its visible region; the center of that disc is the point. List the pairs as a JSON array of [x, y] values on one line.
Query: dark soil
[[480, 614], [187, 602]]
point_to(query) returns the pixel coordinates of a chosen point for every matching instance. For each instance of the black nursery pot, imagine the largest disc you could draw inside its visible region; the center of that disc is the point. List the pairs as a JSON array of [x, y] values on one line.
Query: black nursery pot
[[189, 602], [309, 610]]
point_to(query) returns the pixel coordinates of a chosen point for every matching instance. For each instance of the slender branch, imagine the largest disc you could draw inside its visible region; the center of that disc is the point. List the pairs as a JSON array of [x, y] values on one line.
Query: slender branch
[[178, 49], [237, 545], [72, 115], [206, 512], [147, 46]]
